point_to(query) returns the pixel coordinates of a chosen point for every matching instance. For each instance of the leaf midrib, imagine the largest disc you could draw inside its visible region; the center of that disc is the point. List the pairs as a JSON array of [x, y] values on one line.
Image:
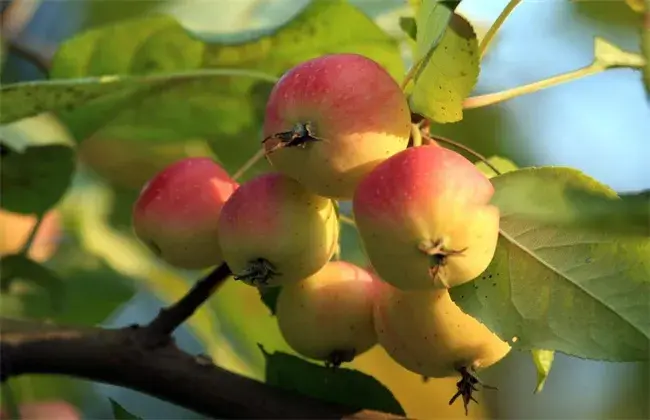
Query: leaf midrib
[[528, 251]]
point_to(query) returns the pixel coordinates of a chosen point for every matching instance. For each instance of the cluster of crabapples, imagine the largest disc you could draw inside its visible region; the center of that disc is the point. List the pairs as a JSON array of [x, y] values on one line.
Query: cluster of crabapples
[[337, 128]]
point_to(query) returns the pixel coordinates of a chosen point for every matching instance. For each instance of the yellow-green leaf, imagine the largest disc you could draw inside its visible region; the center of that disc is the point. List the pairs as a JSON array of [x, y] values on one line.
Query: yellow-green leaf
[[447, 74], [543, 360]]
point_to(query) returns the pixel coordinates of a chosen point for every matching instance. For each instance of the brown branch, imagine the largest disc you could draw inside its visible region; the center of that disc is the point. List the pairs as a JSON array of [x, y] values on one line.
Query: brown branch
[[169, 319], [146, 359], [124, 358]]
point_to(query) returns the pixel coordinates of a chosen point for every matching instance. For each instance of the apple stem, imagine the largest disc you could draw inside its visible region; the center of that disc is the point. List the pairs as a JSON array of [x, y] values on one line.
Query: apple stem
[[32, 235], [469, 150], [495, 98], [258, 272], [248, 164], [489, 35]]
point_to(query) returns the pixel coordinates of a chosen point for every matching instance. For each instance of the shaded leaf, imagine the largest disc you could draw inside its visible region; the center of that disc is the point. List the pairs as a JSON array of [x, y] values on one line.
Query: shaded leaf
[[228, 111], [34, 180], [80, 284], [543, 360], [407, 24], [577, 291], [341, 385], [19, 267], [447, 74], [121, 413], [269, 296], [565, 197]]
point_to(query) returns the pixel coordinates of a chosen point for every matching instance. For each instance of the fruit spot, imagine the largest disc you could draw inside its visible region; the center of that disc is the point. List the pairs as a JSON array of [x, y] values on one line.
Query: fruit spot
[[466, 386], [257, 273], [338, 357], [438, 255], [300, 135]]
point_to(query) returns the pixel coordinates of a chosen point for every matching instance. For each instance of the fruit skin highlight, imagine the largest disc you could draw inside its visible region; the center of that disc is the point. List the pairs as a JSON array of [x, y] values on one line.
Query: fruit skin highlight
[[329, 315], [177, 212], [273, 231], [332, 119], [424, 219], [428, 334]]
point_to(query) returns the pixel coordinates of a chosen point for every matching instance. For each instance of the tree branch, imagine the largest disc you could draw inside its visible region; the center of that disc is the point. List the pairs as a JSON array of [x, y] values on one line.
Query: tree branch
[[124, 358], [146, 359], [169, 319]]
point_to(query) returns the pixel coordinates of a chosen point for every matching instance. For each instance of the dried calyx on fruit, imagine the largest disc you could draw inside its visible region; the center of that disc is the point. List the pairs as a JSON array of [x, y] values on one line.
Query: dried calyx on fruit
[[272, 231], [428, 334], [330, 120], [177, 211], [425, 220], [329, 315]]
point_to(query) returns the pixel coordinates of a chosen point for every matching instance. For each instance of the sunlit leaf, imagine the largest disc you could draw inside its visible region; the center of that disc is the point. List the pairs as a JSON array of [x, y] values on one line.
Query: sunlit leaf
[[543, 360], [447, 74], [609, 55], [579, 291], [565, 197]]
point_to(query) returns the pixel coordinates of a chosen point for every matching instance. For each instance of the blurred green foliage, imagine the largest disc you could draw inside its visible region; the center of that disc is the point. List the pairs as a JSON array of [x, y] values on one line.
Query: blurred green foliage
[[217, 111]]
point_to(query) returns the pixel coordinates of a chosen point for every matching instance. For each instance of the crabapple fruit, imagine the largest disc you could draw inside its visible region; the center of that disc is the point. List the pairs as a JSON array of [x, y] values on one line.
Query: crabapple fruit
[[329, 315], [425, 220], [46, 410], [272, 231], [177, 212], [331, 119], [428, 334]]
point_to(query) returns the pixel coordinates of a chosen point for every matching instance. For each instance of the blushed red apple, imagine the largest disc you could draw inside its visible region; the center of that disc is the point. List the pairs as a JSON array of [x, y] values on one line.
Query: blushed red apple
[[272, 231], [330, 120], [177, 212], [425, 220]]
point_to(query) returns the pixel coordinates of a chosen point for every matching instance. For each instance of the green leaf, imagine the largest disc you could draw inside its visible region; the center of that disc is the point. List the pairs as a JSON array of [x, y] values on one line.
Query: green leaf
[[567, 198], [269, 296], [432, 20], [407, 24], [581, 292], [79, 284], [121, 413], [609, 55], [636, 5], [502, 164], [447, 74], [344, 386], [543, 360], [227, 110], [19, 267], [34, 180]]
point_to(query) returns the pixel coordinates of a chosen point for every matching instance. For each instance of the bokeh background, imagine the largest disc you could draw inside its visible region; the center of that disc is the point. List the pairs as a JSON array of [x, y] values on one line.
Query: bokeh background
[[600, 125]]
